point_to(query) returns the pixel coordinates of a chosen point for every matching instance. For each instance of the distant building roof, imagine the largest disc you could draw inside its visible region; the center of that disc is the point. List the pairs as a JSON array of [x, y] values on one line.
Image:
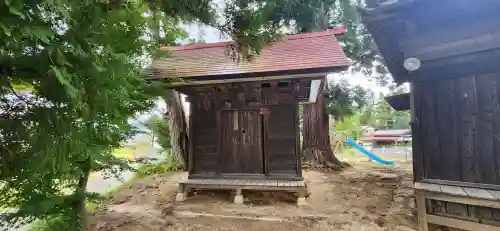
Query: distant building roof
[[381, 138], [294, 52], [391, 132], [389, 135]]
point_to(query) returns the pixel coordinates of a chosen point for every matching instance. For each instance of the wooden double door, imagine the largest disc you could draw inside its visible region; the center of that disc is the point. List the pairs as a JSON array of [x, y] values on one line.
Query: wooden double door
[[242, 138]]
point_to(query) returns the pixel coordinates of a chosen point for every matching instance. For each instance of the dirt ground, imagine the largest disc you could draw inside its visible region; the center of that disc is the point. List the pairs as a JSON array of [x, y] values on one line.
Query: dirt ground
[[366, 197]]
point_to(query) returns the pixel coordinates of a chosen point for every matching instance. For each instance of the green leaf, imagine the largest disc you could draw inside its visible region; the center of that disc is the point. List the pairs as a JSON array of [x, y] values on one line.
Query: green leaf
[[43, 33], [14, 10], [64, 81], [5, 30]]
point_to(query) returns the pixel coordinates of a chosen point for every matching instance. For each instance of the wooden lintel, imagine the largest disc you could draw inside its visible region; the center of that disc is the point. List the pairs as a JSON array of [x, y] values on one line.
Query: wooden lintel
[[454, 48], [461, 199], [461, 184], [247, 80], [460, 224]]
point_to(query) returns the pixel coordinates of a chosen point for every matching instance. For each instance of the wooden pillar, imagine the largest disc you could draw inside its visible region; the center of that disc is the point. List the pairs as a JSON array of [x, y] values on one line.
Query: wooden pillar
[[238, 198], [417, 151], [422, 212], [301, 201], [191, 137], [182, 193], [265, 128], [298, 156], [219, 141]]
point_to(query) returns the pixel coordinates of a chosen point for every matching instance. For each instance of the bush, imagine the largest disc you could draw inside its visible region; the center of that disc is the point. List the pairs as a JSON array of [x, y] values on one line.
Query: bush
[[158, 125], [170, 164], [59, 223]]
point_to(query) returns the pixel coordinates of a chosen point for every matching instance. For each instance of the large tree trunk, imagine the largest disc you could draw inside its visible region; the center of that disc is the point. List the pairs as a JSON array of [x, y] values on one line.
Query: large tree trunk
[[177, 124], [316, 146]]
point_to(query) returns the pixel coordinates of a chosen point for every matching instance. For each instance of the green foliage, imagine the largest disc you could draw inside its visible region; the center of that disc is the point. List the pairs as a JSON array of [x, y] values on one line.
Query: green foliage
[[357, 43], [350, 126], [58, 223], [382, 116], [171, 164], [126, 153], [80, 61], [343, 99], [158, 125]]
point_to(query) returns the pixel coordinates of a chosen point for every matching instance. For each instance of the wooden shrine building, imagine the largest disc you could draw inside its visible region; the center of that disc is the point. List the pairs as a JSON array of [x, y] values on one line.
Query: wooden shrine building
[[449, 51], [244, 121]]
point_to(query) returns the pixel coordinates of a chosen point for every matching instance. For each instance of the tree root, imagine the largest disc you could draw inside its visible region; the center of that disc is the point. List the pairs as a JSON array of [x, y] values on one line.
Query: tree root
[[346, 165], [322, 159], [332, 166]]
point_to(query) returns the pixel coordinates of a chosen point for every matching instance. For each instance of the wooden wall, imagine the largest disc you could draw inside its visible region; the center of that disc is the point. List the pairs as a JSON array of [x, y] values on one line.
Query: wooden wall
[[456, 132], [204, 139], [451, 38], [241, 141], [282, 140], [480, 214], [240, 130]]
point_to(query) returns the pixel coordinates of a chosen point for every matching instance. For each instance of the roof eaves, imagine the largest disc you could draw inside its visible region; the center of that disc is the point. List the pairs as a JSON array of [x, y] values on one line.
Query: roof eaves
[[383, 10]]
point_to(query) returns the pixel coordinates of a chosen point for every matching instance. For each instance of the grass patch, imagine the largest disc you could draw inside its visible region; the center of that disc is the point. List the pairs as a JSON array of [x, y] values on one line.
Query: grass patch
[[134, 151], [171, 164], [351, 155], [59, 223], [153, 169], [91, 206], [126, 153]]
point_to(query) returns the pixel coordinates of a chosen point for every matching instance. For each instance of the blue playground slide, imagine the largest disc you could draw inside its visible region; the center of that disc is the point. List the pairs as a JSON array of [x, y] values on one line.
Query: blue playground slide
[[367, 153]]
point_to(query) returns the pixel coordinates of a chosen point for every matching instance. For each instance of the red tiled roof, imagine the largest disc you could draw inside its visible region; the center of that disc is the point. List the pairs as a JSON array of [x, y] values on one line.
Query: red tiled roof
[[293, 52], [380, 138]]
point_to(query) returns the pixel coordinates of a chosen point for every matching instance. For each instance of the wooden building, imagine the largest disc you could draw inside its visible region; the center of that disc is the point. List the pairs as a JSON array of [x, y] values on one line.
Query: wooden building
[[389, 137], [449, 50], [244, 122]]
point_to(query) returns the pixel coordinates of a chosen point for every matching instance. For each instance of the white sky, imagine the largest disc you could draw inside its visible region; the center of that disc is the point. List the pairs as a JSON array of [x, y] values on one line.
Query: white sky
[[208, 34]]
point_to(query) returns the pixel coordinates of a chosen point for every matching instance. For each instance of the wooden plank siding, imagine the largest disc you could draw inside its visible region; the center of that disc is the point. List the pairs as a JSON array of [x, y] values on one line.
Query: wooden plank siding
[[281, 139], [464, 203], [230, 139], [418, 157], [242, 142], [204, 139], [457, 130], [245, 131]]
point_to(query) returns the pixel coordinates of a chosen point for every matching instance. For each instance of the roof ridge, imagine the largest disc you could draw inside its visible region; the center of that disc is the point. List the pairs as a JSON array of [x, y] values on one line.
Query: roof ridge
[[329, 32], [197, 46]]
